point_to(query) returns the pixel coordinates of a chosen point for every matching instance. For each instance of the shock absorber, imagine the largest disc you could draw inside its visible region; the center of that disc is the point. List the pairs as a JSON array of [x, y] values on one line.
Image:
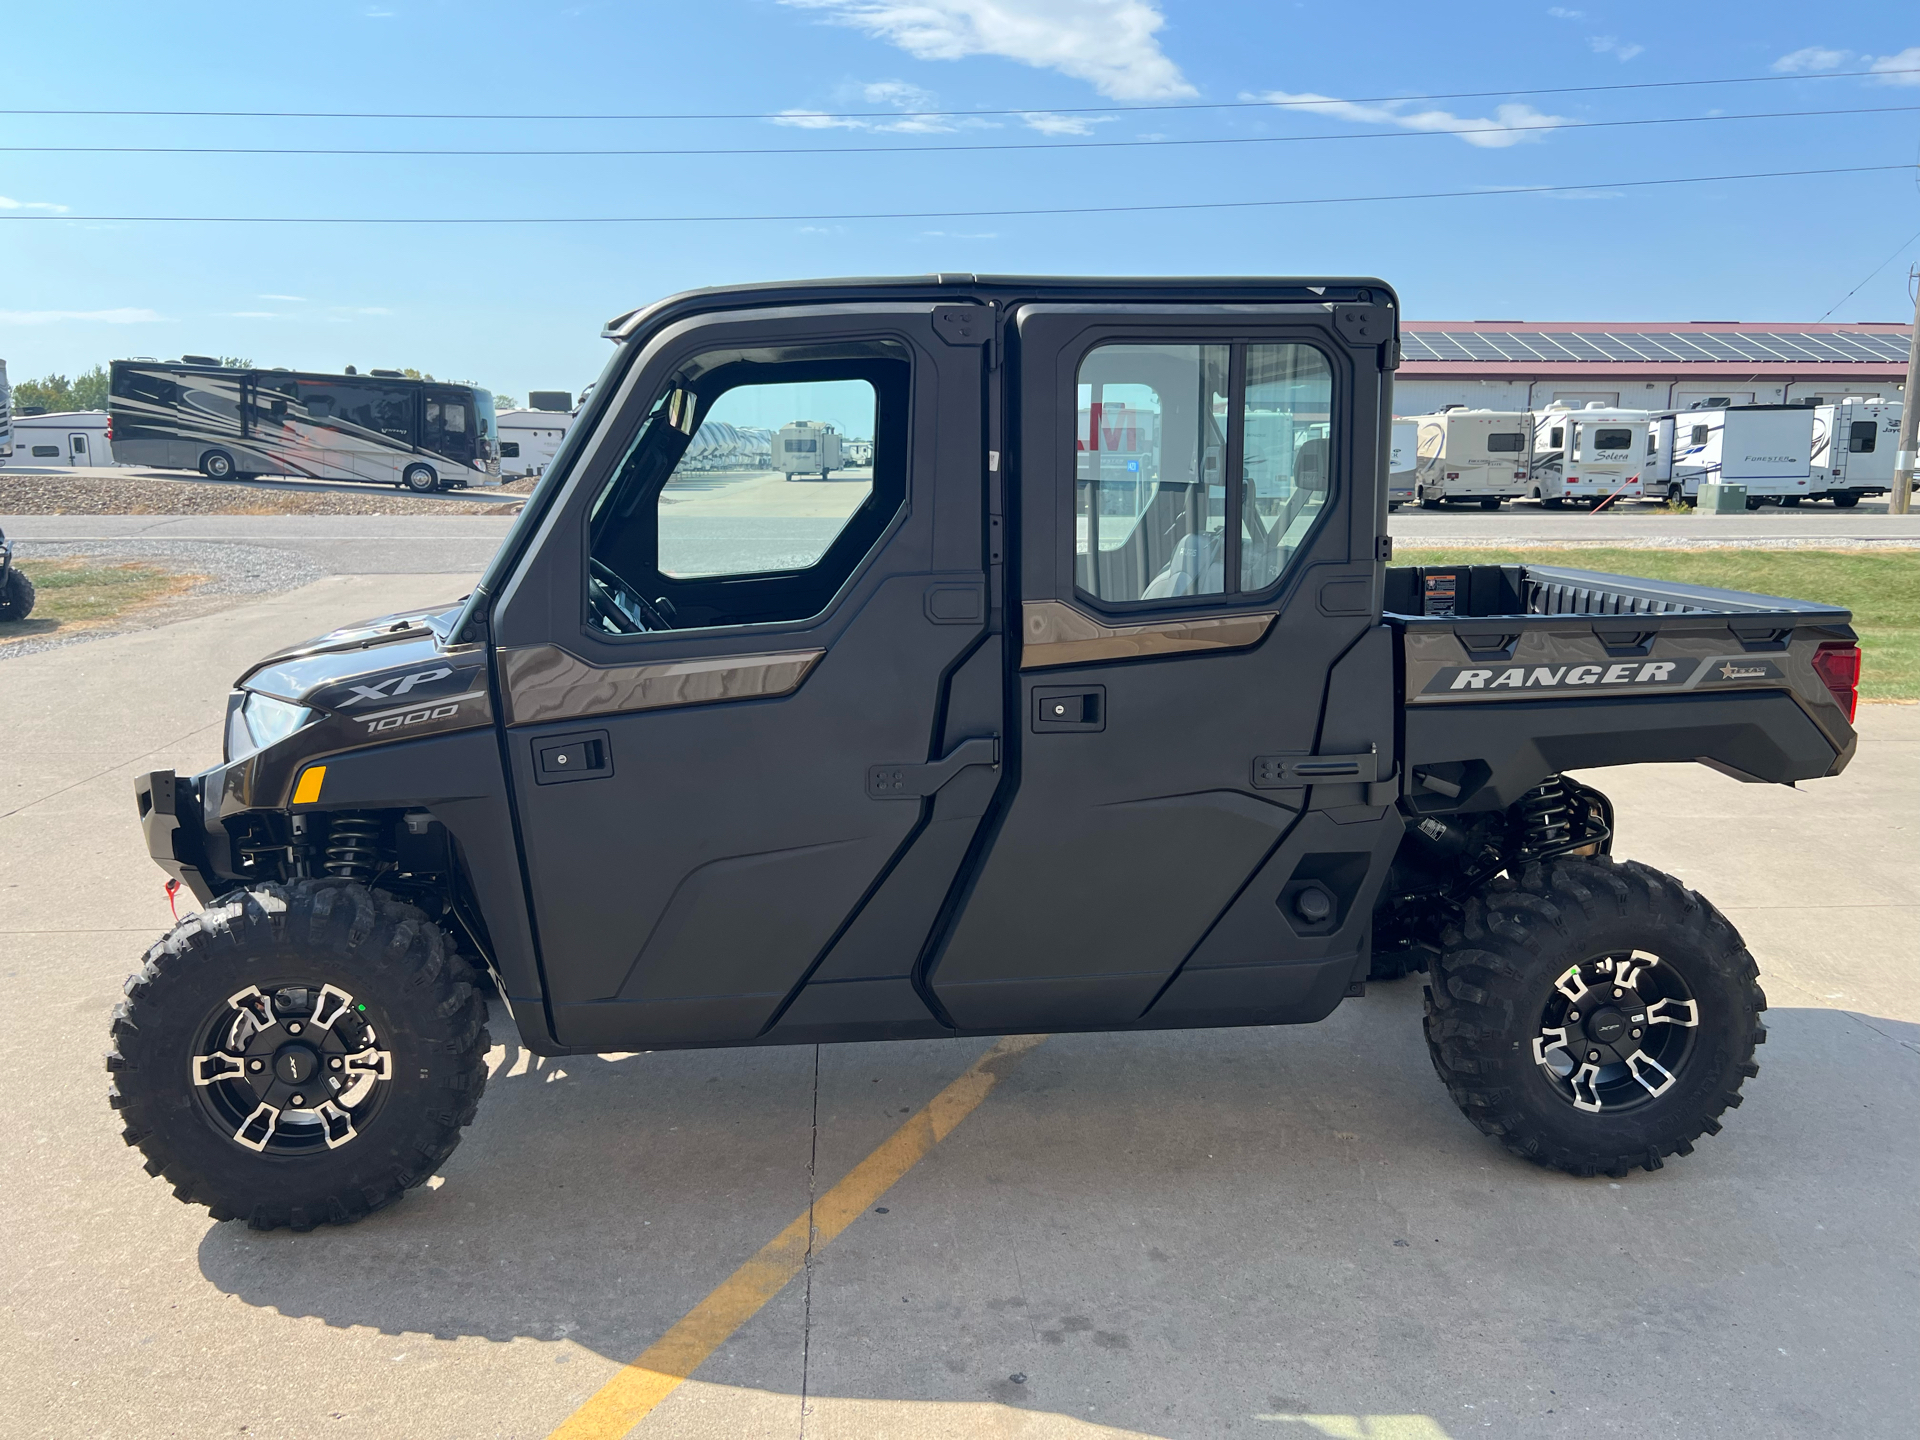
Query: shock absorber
[[353, 847], [1545, 816]]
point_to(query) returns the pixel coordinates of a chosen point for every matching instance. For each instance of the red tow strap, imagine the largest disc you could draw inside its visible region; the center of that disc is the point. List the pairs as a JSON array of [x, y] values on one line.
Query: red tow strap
[[173, 889]]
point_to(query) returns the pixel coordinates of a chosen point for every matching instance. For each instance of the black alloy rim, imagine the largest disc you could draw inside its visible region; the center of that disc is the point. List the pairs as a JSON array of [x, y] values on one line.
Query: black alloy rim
[[291, 1069], [1616, 1032]]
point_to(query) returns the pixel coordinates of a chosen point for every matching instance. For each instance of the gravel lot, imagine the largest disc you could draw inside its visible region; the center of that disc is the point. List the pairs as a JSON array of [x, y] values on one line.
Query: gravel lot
[[235, 574], [120, 493]]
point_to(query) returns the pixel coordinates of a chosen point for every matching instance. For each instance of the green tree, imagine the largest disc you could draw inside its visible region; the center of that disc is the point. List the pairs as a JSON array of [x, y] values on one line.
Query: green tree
[[57, 392], [234, 362], [505, 402], [413, 374]]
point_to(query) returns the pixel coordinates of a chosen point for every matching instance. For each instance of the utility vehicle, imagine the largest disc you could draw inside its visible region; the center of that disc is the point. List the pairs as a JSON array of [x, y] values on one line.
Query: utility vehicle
[[999, 739]]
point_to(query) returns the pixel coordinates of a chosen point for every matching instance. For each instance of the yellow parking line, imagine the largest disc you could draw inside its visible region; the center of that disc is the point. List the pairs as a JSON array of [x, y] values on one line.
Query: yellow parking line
[[627, 1399]]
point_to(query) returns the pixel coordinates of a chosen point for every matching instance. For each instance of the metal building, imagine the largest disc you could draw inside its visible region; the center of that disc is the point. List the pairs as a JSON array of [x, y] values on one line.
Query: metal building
[[1526, 365]]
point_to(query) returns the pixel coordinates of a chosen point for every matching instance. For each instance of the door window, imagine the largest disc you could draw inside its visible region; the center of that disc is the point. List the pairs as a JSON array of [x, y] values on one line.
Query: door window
[[1171, 440], [79, 444], [757, 486]]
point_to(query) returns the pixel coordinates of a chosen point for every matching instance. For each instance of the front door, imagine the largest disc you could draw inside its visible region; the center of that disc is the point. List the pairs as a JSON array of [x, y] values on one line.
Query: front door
[[1199, 501], [753, 717]]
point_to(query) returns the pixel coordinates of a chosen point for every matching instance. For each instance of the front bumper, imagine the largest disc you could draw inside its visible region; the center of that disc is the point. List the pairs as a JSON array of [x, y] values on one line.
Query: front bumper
[[170, 814]]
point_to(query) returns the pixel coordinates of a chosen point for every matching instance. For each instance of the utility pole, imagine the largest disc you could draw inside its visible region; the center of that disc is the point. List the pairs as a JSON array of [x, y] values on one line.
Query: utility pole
[[1901, 500]]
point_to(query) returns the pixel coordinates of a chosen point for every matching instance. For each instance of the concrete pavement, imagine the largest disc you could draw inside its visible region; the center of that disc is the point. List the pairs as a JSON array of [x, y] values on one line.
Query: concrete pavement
[[1286, 1232]]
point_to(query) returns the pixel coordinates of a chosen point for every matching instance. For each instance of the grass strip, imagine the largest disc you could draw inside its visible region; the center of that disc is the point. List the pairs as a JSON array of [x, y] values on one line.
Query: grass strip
[[79, 594]]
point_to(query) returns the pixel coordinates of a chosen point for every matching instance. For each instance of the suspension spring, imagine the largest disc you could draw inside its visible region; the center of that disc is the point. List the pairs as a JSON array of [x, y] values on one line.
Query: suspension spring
[[1546, 817], [353, 847]]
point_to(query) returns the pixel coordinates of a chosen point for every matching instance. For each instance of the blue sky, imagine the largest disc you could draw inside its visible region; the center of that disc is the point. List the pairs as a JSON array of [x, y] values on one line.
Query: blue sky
[[518, 307]]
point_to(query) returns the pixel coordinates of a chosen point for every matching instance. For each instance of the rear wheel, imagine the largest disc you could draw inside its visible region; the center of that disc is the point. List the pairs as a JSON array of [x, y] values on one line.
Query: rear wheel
[[421, 479], [298, 1054], [1554, 502], [16, 596], [1594, 1016], [217, 465], [1492, 502], [1845, 499]]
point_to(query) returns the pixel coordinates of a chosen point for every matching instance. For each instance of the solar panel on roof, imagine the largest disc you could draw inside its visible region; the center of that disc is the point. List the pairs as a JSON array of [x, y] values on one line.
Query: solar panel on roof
[[1656, 347]]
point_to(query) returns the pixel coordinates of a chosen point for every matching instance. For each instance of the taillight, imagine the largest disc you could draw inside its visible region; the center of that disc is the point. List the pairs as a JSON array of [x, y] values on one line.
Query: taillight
[[1838, 666], [109, 427]]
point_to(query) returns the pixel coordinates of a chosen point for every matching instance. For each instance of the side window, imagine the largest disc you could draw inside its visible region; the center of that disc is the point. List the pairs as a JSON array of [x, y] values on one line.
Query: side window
[[1198, 469], [1149, 491], [1860, 437], [1506, 442], [1559, 437], [757, 486], [1699, 435], [1287, 456]]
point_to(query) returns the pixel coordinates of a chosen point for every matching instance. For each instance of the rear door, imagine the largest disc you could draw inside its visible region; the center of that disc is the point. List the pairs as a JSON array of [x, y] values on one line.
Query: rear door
[[1199, 498], [754, 720]]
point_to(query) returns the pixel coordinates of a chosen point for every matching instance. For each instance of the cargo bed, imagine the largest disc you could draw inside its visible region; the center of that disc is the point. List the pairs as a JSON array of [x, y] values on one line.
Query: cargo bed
[[1576, 664]]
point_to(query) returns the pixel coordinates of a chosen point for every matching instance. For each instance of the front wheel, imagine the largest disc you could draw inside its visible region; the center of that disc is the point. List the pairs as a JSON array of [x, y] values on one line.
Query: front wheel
[[1594, 1016], [16, 596], [298, 1054], [420, 479]]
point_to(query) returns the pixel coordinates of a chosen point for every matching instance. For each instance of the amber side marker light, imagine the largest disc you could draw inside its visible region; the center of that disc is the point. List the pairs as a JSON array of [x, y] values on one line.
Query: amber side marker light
[[1837, 663]]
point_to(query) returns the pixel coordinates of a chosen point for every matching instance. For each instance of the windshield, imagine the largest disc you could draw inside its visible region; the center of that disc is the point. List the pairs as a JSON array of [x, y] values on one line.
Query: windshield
[[483, 407]]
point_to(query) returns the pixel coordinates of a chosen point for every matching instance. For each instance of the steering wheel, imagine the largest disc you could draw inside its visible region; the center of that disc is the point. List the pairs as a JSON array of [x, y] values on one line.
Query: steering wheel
[[606, 590]]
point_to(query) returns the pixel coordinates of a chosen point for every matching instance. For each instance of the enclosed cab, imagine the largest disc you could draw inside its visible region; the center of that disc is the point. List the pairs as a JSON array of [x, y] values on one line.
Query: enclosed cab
[[1588, 456], [1766, 448], [1472, 455], [806, 447], [1854, 442]]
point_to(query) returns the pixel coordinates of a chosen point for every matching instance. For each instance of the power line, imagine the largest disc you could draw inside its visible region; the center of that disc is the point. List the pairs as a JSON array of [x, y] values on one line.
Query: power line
[[1402, 134], [1873, 272], [857, 115], [18, 217]]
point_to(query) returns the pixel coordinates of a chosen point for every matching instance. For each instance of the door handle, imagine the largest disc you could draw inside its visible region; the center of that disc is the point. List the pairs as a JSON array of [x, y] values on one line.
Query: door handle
[[917, 782], [584, 755]]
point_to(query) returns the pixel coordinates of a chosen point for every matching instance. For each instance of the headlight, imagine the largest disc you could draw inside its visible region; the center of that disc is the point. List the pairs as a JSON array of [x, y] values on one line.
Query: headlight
[[260, 721]]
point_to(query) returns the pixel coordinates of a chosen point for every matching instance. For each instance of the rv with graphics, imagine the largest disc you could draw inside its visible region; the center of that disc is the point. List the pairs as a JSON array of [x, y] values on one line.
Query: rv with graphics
[[1766, 448], [1402, 462], [1476, 455], [1853, 447], [6, 415], [1587, 456], [233, 424]]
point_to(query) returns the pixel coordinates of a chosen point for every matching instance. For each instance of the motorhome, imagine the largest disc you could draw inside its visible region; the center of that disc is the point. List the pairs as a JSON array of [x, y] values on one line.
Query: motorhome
[[1587, 456], [229, 423], [81, 438], [1477, 455], [6, 415], [1854, 441], [1402, 463], [1766, 448], [529, 439], [807, 447]]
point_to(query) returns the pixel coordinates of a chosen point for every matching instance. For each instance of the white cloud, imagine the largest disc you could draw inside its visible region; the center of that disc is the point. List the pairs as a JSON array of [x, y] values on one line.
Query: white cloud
[[9, 203], [1561, 13], [1622, 50], [125, 316], [1049, 124], [297, 299], [1511, 125], [960, 234], [1110, 44], [901, 96], [1907, 60], [1813, 57], [252, 315]]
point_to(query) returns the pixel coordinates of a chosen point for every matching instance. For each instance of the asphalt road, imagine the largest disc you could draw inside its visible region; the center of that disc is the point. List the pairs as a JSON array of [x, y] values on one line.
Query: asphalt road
[[1266, 1232]]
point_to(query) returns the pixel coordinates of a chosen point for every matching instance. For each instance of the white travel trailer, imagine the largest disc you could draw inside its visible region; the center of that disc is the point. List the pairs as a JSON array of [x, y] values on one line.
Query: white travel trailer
[[1476, 455], [807, 447], [1587, 455], [1767, 448], [63, 437], [528, 440], [1402, 463], [1853, 446]]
